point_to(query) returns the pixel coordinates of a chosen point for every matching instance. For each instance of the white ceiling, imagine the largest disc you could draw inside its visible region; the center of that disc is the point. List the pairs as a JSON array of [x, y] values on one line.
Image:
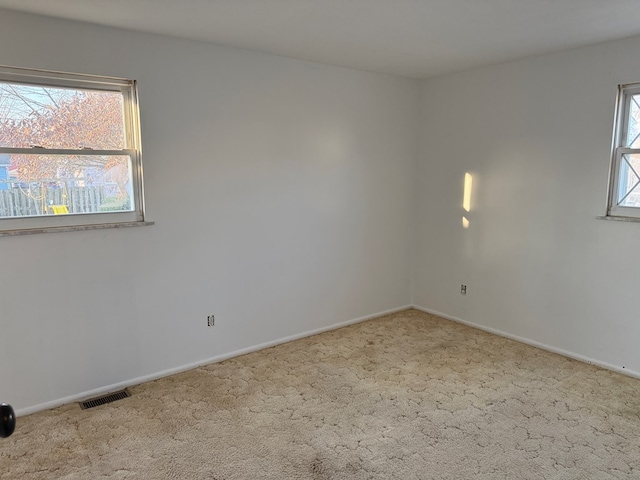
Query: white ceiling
[[413, 38]]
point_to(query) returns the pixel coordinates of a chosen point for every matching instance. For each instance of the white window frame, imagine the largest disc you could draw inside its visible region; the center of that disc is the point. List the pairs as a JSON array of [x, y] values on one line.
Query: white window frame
[[618, 150], [82, 221]]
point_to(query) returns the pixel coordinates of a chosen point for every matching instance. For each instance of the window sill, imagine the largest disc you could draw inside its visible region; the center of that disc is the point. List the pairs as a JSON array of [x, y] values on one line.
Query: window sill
[[73, 228], [619, 219]]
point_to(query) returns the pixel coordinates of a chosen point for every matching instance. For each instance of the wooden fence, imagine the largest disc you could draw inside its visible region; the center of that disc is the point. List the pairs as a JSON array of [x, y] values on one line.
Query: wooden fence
[[21, 202]]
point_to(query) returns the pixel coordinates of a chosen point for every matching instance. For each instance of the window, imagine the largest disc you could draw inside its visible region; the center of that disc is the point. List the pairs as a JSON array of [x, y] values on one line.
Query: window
[[624, 188], [69, 151]]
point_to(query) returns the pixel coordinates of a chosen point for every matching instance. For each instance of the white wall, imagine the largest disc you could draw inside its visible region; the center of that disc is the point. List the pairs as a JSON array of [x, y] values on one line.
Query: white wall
[[536, 135], [281, 192]]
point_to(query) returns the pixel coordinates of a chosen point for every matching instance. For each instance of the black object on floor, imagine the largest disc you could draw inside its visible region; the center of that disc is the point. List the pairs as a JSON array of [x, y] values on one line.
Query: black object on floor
[[7, 420]]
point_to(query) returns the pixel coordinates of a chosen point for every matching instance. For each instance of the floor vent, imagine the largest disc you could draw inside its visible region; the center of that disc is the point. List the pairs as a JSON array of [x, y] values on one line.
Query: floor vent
[[112, 397]]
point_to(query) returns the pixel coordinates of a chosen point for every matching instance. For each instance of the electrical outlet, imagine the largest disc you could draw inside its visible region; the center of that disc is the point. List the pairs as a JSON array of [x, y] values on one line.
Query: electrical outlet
[[463, 289], [211, 320]]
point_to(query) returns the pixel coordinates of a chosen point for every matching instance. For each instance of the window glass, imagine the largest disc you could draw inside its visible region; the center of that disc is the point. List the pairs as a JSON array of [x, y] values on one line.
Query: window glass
[[633, 126], [65, 184], [60, 118]]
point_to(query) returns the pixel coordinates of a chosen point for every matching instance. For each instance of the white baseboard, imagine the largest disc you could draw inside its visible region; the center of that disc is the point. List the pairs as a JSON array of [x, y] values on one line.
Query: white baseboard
[[533, 343], [219, 358]]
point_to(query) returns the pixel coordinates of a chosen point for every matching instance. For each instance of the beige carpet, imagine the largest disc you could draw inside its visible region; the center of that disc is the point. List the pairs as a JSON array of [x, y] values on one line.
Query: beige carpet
[[406, 396]]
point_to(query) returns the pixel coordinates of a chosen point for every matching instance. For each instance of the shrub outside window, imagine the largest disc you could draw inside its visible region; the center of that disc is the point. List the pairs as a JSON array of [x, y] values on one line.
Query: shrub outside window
[[69, 150]]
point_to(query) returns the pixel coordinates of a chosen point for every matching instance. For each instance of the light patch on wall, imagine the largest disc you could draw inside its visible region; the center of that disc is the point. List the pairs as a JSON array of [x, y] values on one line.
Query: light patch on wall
[[468, 185], [333, 145], [466, 198]]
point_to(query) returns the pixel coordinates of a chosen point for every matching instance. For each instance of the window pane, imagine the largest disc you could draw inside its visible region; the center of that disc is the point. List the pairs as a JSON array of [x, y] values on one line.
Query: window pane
[[54, 117], [45, 184], [629, 181], [633, 123]]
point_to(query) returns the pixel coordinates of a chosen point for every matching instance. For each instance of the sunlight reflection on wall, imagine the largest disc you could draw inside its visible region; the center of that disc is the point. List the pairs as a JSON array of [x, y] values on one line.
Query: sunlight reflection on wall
[[466, 198]]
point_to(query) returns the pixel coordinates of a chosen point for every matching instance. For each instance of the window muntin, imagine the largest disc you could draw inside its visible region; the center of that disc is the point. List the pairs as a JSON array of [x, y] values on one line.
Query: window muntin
[[624, 188], [69, 150]]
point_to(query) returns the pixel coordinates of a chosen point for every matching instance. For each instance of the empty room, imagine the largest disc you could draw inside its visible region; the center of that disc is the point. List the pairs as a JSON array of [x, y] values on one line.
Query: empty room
[[319, 239]]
